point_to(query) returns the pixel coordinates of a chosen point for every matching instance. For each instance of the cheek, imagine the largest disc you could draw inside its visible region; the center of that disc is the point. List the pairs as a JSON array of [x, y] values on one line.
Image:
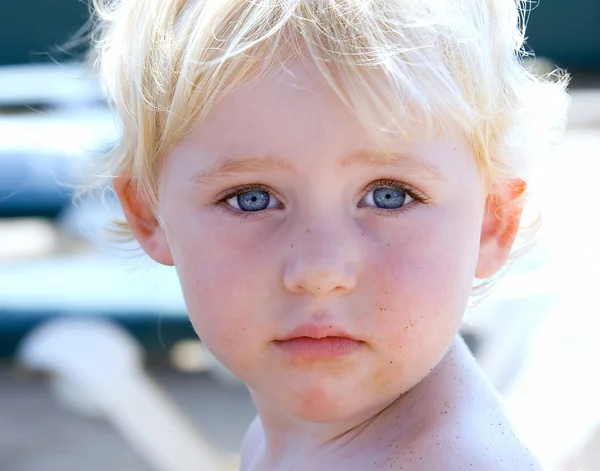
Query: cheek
[[422, 283], [220, 286]]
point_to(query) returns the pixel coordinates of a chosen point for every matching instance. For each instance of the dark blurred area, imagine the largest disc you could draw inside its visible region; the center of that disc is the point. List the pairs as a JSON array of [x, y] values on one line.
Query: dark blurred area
[[75, 307], [564, 31], [38, 31]]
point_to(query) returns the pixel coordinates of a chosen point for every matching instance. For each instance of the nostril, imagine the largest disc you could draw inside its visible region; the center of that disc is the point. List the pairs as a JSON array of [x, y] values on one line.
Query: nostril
[[319, 283]]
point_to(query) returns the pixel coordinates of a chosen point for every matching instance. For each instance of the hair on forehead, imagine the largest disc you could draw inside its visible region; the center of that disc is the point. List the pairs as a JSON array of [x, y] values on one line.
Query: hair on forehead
[[397, 64]]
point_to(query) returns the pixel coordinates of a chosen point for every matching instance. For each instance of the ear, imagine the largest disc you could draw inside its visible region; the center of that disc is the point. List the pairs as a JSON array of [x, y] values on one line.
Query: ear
[[499, 228], [142, 222]]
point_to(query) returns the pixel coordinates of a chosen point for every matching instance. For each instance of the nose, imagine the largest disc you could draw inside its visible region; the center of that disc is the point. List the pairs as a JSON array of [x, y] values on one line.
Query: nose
[[322, 263]]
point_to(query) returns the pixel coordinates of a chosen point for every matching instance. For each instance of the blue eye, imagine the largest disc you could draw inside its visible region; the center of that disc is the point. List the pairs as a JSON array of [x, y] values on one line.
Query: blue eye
[[252, 201], [386, 198]]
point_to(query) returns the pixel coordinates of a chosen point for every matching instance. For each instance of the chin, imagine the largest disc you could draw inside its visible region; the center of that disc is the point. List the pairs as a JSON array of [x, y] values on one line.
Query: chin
[[321, 405]]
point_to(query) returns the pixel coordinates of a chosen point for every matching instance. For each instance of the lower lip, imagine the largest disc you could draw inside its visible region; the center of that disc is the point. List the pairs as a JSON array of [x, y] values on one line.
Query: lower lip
[[327, 347]]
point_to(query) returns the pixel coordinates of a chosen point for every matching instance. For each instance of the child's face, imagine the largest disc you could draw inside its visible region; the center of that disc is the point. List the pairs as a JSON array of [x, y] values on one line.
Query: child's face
[[316, 236]]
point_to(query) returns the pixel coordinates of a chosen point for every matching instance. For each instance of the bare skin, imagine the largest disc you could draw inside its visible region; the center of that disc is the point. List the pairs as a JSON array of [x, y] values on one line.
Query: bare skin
[[452, 420]]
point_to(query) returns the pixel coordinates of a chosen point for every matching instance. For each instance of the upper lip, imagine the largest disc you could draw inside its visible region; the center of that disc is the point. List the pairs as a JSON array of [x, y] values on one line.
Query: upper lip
[[316, 331]]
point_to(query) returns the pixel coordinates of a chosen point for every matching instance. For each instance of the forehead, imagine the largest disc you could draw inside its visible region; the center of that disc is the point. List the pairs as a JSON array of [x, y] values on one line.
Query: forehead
[[295, 114]]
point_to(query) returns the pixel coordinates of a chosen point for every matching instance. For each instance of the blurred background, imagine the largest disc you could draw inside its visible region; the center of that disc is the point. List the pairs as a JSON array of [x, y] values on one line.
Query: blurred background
[[99, 367]]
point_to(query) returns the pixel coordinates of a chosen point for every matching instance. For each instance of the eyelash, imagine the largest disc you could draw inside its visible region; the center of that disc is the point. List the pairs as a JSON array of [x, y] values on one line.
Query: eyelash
[[417, 196], [222, 205]]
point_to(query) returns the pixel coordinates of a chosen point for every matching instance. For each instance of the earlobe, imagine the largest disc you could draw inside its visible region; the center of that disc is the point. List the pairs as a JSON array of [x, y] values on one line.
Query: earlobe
[[141, 220], [499, 228]]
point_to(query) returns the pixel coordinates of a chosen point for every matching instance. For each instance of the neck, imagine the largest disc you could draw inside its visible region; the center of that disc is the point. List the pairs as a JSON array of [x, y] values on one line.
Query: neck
[[282, 430], [283, 433]]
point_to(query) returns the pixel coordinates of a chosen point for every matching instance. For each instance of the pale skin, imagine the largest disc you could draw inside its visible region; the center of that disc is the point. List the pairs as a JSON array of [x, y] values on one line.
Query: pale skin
[[299, 236]]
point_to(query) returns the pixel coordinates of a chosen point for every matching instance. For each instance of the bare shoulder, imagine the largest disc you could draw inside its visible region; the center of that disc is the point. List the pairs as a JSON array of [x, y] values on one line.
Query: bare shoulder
[[465, 424], [480, 440], [252, 442], [486, 446]]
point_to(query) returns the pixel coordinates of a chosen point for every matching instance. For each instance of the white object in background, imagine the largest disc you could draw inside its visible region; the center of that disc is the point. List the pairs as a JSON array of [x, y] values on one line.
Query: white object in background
[[98, 359], [26, 238], [48, 84], [554, 399]]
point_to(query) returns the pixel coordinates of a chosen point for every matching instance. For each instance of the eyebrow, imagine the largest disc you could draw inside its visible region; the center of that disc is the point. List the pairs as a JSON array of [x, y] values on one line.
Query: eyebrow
[[385, 159], [238, 165]]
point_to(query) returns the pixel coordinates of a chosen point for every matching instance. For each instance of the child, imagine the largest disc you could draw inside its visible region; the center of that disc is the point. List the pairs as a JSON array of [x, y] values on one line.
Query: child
[[329, 178]]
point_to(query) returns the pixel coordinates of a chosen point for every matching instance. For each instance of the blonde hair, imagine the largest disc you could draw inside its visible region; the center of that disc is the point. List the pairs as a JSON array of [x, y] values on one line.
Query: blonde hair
[[164, 65]]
